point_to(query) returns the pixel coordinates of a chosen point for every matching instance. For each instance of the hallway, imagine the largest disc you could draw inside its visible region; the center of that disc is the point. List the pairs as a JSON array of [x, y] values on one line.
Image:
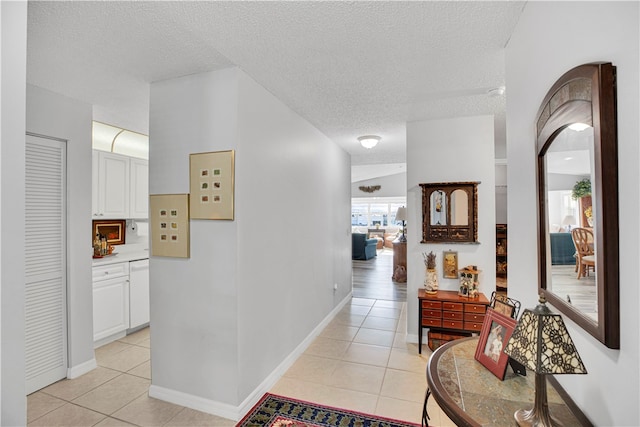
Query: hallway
[[360, 362]]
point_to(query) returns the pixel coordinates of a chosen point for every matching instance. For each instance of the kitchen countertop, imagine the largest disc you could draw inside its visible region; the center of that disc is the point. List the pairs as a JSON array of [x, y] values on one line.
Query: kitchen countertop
[[124, 253]]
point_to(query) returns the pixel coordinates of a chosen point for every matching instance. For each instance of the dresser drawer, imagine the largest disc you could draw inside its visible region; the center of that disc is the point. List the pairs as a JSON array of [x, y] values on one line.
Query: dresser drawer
[[453, 324], [432, 313], [431, 322], [473, 326], [452, 315], [110, 271], [432, 304], [473, 317], [475, 308], [453, 306]]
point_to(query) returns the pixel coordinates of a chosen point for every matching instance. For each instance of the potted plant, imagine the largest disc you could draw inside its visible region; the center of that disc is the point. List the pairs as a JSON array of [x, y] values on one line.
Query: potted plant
[[581, 189]]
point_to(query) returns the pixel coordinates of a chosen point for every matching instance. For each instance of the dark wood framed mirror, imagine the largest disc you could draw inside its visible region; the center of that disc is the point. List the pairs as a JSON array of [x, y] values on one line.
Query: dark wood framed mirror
[[577, 147], [450, 212]]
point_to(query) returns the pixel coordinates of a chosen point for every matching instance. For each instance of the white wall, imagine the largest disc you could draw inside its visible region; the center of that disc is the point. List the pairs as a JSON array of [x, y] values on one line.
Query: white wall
[[551, 38], [391, 186], [13, 48], [450, 150], [256, 287], [54, 115], [193, 301]]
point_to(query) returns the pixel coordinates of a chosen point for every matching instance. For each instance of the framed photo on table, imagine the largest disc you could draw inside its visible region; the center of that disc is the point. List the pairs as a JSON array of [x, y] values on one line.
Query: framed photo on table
[[211, 183], [169, 225], [496, 331], [505, 305]]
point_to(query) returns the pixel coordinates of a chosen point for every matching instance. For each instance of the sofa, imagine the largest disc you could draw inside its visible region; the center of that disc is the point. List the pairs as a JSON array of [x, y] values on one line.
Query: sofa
[[361, 247], [562, 249]]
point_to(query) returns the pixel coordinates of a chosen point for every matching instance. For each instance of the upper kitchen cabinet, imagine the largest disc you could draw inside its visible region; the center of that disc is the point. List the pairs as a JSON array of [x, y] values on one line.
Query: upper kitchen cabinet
[[111, 185], [120, 173], [120, 186], [139, 188]]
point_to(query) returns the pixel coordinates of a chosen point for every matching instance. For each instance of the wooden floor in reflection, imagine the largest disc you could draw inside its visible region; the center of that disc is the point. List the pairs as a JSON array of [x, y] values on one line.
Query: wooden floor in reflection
[[372, 278], [581, 293]]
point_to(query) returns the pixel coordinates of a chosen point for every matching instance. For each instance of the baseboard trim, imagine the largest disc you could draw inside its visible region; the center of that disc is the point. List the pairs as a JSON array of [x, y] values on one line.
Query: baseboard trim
[[195, 402], [237, 412], [109, 339], [277, 373], [81, 369]]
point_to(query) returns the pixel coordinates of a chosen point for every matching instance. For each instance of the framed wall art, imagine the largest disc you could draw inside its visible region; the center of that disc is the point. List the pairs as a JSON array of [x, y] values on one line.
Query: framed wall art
[[496, 331], [169, 225], [211, 182], [450, 264], [112, 229]]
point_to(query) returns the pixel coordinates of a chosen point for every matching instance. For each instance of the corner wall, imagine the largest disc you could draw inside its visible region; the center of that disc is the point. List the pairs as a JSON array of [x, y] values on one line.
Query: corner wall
[[550, 39], [13, 59], [450, 150], [254, 288]]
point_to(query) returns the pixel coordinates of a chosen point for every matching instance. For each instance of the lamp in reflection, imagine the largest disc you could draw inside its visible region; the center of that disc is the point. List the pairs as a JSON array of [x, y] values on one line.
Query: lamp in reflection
[[568, 221], [542, 344], [401, 215]]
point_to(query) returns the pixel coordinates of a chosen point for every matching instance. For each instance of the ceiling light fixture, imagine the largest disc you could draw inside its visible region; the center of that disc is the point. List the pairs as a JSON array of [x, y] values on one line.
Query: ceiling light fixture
[[578, 127], [369, 141]]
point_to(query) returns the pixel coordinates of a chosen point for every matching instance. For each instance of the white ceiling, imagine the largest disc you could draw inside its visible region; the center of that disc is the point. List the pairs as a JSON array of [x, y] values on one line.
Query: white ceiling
[[350, 68]]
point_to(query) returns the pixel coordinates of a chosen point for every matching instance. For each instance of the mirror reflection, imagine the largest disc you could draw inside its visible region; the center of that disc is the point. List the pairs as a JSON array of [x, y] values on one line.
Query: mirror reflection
[[438, 208], [459, 208], [571, 256]]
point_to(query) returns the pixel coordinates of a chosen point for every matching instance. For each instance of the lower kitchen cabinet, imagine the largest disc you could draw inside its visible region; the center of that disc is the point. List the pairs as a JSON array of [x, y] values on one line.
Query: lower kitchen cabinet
[[110, 300], [138, 293]]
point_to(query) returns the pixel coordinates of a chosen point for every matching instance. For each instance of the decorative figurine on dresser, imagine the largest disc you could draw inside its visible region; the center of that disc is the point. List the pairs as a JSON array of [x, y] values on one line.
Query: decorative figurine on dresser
[[431, 279], [469, 282]]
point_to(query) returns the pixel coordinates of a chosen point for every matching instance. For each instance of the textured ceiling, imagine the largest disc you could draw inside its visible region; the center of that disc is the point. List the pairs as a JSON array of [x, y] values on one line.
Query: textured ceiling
[[350, 68]]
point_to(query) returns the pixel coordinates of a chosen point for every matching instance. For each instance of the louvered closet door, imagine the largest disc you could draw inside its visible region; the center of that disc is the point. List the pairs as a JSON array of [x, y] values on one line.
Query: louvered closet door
[[45, 262]]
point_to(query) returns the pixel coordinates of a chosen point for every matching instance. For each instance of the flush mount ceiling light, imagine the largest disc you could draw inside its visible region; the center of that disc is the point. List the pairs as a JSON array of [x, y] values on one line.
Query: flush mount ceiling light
[[369, 141]]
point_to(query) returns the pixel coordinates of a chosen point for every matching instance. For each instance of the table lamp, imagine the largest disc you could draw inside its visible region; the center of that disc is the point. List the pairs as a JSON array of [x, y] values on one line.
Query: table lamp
[[542, 344], [568, 221], [401, 215]]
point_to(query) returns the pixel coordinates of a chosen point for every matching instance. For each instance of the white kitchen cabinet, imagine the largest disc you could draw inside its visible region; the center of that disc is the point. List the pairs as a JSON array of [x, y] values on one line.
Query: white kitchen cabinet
[[110, 300], [111, 184], [138, 293], [139, 188], [120, 186]]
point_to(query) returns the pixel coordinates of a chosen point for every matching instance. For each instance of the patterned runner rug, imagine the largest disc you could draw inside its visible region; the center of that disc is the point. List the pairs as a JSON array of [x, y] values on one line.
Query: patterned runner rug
[[279, 411]]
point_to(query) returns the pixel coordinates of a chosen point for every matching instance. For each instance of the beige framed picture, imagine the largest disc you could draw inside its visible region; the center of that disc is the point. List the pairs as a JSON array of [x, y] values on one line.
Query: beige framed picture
[[169, 225], [211, 184], [450, 264]]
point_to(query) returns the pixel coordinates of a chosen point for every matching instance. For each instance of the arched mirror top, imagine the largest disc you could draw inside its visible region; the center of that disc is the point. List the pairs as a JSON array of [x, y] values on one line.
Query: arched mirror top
[[449, 212], [576, 137]]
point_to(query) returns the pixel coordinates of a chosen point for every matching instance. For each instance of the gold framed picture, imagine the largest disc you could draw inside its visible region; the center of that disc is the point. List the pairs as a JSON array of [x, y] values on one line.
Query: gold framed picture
[[211, 184], [112, 229], [169, 225], [450, 264]]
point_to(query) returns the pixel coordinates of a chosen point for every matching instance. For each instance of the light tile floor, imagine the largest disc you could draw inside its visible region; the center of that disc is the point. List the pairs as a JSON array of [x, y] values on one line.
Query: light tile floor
[[360, 362]]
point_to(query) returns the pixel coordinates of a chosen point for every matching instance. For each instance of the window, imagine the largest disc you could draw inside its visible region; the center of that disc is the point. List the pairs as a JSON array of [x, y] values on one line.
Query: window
[[359, 215], [368, 213]]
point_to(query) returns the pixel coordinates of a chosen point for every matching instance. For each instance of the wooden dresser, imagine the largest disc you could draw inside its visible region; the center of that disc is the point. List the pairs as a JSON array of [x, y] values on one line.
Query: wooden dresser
[[448, 312]]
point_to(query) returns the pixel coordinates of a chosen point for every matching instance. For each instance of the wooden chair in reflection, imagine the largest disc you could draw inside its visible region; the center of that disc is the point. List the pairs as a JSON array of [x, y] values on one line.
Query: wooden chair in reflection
[[585, 258]]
